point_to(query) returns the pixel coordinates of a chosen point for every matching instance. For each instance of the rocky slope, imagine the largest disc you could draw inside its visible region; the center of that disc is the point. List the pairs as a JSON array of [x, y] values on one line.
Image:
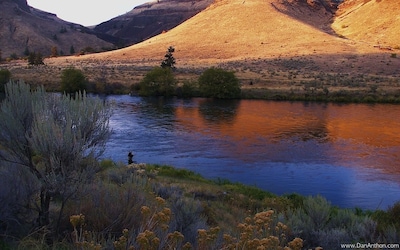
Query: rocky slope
[[25, 28], [151, 19]]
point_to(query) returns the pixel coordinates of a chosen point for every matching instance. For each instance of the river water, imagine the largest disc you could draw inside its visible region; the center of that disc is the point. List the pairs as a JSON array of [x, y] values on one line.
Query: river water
[[349, 153]]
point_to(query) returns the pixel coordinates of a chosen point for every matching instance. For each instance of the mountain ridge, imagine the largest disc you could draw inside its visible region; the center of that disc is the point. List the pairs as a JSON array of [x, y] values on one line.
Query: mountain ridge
[[150, 19], [25, 28]]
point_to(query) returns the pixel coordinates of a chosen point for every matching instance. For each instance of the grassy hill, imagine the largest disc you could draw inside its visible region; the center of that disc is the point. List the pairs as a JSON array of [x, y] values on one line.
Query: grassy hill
[[372, 22]]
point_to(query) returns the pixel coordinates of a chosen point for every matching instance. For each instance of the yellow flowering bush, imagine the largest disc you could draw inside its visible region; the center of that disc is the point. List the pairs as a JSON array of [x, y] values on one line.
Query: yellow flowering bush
[[262, 233]]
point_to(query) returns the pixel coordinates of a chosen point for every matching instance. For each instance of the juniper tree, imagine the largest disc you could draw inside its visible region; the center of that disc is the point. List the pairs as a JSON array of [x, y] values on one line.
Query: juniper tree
[[35, 58], [169, 61], [56, 137], [72, 50]]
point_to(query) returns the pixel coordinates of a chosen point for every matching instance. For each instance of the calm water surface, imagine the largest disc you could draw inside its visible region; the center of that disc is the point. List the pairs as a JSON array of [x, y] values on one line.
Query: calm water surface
[[349, 153]]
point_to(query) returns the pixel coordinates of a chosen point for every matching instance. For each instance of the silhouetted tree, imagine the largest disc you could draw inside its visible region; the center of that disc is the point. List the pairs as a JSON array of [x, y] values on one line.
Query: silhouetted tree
[[5, 76], [26, 51], [72, 50], [169, 61], [35, 58], [54, 51]]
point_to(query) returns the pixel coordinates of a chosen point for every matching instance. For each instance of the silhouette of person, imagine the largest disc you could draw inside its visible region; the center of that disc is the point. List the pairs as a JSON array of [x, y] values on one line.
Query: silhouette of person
[[130, 158]]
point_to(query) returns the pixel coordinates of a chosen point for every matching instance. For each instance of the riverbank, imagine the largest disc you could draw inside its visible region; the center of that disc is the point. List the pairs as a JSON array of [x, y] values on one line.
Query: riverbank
[[294, 79], [196, 201], [149, 206]]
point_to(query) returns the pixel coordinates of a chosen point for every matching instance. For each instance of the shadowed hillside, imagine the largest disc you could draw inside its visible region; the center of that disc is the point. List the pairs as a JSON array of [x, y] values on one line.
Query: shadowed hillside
[[151, 19], [25, 28]]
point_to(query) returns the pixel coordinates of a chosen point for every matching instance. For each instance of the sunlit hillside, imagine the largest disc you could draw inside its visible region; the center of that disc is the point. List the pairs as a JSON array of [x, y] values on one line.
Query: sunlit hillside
[[238, 29], [249, 32], [259, 38], [373, 22]]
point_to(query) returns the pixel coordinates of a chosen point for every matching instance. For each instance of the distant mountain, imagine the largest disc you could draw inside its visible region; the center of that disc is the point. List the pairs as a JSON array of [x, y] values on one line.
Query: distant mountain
[[23, 28], [151, 19]]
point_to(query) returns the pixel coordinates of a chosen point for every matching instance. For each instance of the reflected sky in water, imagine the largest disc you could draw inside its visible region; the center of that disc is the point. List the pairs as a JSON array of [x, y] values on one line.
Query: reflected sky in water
[[348, 153]]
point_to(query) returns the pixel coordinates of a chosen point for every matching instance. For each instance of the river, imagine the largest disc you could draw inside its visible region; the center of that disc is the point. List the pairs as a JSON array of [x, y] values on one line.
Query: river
[[349, 153]]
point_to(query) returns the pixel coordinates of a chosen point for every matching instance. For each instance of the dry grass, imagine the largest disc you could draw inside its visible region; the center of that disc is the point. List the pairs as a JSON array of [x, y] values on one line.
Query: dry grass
[[274, 44]]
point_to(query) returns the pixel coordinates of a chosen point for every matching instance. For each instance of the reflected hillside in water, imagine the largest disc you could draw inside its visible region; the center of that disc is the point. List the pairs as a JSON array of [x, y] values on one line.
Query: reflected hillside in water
[[347, 153], [355, 135]]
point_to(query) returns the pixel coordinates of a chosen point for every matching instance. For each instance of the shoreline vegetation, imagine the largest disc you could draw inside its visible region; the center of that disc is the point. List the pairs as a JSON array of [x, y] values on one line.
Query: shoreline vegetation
[[150, 206], [290, 83]]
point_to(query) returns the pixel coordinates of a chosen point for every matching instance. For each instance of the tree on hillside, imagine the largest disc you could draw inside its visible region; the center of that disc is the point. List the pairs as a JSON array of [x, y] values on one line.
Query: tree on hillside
[[56, 138], [72, 50], [54, 51], [169, 61], [27, 51], [35, 58]]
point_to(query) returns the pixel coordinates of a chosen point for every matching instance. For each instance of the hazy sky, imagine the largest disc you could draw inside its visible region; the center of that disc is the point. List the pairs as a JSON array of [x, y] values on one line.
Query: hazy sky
[[86, 12]]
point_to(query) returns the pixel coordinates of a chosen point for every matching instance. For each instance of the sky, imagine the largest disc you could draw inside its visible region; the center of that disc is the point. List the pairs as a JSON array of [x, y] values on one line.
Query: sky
[[86, 12]]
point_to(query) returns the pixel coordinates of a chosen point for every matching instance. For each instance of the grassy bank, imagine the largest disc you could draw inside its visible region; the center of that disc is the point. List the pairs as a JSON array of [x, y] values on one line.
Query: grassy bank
[[275, 80], [161, 207]]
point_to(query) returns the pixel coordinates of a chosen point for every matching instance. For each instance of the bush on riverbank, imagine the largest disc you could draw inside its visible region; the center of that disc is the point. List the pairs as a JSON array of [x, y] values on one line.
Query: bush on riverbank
[[219, 83], [158, 82], [72, 81], [341, 96]]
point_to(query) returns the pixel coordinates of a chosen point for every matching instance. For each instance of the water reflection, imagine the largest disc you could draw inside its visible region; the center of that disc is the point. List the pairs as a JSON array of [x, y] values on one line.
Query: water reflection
[[219, 111], [349, 153]]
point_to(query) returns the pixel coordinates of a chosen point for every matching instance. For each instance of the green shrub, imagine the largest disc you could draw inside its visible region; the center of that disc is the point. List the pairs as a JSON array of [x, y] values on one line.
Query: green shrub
[[218, 83], [73, 80], [249, 191], [188, 89], [107, 164], [388, 218], [320, 224], [177, 173], [158, 82]]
